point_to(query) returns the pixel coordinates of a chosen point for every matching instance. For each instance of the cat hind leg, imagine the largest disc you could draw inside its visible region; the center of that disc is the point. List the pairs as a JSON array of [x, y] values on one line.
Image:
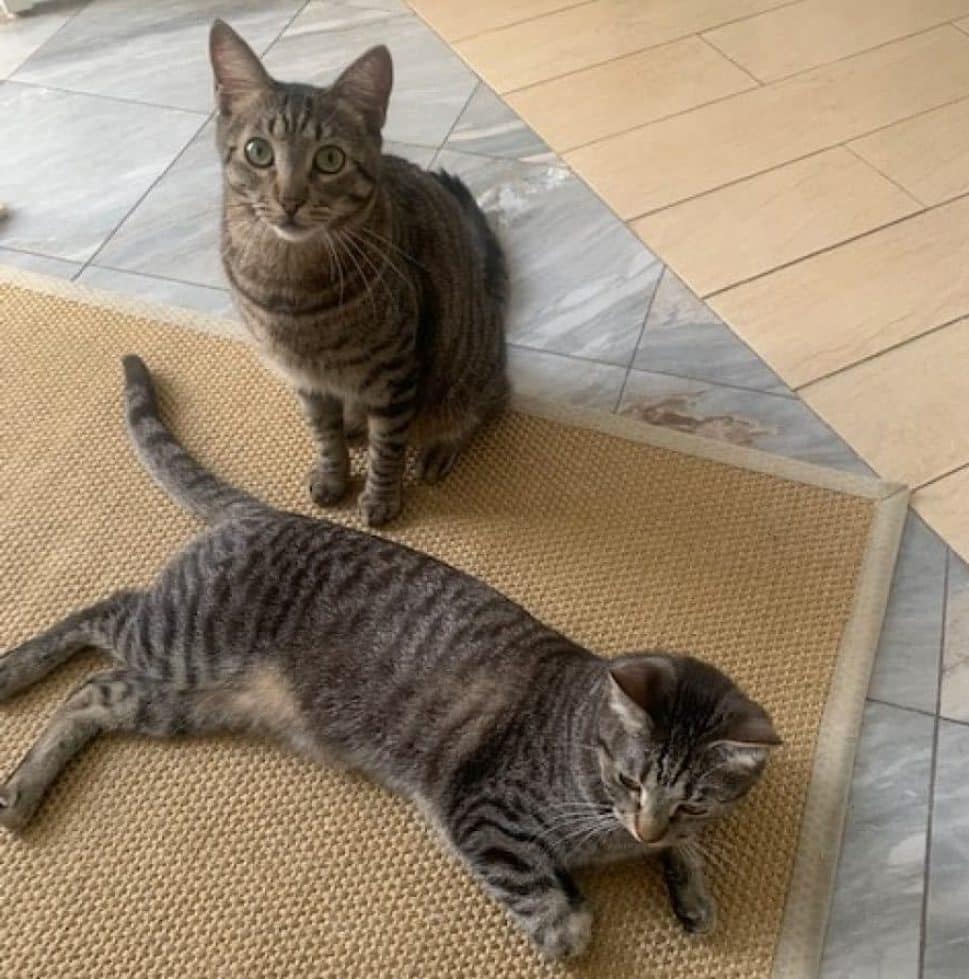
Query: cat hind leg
[[24, 665], [115, 700]]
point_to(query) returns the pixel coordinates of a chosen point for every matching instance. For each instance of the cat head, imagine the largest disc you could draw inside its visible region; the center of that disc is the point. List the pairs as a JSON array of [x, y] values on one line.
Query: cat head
[[298, 159], [679, 745]]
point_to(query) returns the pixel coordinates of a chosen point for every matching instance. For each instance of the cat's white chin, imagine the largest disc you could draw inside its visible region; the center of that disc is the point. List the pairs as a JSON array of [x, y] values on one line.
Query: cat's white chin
[[293, 233]]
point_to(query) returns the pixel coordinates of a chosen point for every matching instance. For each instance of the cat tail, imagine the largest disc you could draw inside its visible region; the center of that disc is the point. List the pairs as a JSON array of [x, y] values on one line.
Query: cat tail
[[174, 469]]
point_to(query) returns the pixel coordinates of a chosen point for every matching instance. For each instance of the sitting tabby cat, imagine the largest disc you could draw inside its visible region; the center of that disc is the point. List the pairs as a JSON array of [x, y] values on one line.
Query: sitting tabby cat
[[377, 289], [531, 755]]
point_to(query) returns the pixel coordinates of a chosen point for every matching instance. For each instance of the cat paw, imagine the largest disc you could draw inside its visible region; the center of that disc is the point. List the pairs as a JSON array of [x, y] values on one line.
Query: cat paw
[[326, 487], [567, 937], [16, 807], [378, 509], [696, 913], [435, 462]]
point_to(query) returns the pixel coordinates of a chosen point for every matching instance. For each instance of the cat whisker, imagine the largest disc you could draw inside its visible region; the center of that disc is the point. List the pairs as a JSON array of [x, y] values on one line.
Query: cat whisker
[[368, 282], [352, 235], [371, 233]]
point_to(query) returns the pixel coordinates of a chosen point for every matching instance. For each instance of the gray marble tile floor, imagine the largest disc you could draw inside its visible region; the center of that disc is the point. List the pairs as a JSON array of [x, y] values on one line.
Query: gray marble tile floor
[[111, 177]]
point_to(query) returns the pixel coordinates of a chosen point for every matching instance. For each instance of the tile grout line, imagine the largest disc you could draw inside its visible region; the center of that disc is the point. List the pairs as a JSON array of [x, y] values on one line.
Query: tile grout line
[[726, 384], [579, 358], [921, 711], [107, 98], [155, 275], [28, 251], [923, 209], [179, 154], [723, 54], [847, 145], [108, 238], [917, 710], [80, 10], [557, 163], [639, 339], [941, 476], [927, 868], [776, 166], [464, 108], [489, 30], [650, 122], [885, 350]]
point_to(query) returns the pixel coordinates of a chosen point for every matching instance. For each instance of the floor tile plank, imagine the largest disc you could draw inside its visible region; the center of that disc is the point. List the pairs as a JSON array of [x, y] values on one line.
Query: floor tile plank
[[627, 92]]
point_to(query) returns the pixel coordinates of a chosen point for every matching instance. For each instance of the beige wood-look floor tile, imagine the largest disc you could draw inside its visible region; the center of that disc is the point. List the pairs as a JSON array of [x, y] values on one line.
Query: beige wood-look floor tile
[[751, 227], [905, 411], [590, 34], [667, 161], [944, 505], [628, 92], [927, 155], [804, 35], [836, 308], [454, 19]]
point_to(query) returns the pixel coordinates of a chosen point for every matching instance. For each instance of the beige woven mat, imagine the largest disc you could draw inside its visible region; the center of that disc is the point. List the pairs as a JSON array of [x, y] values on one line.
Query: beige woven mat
[[227, 858]]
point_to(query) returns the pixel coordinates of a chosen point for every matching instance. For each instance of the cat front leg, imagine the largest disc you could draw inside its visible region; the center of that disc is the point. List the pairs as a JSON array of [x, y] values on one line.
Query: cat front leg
[[387, 430], [690, 896], [330, 475], [520, 874]]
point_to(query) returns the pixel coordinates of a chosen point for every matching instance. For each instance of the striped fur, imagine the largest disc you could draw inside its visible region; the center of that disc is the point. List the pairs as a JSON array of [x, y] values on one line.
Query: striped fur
[[378, 291], [532, 755]]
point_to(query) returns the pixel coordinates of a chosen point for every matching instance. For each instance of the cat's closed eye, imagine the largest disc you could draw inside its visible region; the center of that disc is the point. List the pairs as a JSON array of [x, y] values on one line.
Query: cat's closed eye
[[691, 809]]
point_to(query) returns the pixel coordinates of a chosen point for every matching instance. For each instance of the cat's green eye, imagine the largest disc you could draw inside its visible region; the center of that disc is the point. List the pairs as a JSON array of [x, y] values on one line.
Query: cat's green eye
[[629, 783], [329, 159], [259, 153]]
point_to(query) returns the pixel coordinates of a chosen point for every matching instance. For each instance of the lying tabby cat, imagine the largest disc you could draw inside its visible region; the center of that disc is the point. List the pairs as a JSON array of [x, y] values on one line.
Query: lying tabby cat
[[531, 755], [375, 288]]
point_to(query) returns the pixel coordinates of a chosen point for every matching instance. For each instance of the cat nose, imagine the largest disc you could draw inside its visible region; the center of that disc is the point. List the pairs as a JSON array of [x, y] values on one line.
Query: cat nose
[[651, 827], [290, 205]]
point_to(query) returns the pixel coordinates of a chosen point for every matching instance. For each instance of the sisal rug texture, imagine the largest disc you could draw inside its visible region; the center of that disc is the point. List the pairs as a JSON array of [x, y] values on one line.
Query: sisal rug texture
[[228, 859]]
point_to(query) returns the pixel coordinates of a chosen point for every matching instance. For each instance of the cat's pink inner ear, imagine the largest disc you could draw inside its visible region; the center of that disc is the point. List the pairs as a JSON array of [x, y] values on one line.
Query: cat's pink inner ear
[[367, 83], [238, 70]]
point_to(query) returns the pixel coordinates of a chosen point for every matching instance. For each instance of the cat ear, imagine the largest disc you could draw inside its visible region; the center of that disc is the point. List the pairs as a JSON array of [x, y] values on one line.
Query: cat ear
[[748, 725], [640, 689], [367, 83], [238, 70], [748, 734]]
